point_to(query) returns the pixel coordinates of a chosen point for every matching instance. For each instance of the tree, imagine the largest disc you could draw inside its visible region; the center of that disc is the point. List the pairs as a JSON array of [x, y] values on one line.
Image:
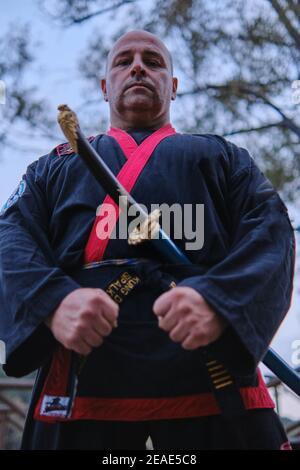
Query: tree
[[69, 12], [236, 61], [23, 111]]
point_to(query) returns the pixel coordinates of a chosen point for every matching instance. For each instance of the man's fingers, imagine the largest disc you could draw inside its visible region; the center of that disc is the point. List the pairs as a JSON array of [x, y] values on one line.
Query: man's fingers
[[193, 342], [102, 326], [163, 304], [109, 308], [170, 320], [106, 299], [190, 343], [82, 348], [110, 316], [180, 332], [93, 338]]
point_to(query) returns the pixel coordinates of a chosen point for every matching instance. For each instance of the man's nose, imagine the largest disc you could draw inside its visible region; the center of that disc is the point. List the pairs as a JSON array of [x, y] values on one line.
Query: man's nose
[[137, 67]]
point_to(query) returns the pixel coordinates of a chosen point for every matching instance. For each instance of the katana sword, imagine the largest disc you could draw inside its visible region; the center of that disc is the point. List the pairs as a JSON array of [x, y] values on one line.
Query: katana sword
[[164, 245]]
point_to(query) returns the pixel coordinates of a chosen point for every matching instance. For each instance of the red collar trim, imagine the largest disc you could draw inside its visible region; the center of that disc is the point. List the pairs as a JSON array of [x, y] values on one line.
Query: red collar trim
[[129, 145]]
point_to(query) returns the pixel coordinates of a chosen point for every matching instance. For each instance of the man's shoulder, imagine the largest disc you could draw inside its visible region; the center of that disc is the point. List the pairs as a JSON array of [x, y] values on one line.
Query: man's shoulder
[[65, 149], [206, 138], [237, 158], [208, 145], [60, 153], [53, 160]]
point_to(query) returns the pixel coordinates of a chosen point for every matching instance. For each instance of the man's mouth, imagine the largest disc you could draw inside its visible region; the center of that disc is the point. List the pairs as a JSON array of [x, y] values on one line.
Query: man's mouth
[[139, 85]]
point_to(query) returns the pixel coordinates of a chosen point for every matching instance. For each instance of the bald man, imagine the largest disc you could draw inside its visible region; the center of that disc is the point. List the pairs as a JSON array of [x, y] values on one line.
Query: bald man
[[170, 352]]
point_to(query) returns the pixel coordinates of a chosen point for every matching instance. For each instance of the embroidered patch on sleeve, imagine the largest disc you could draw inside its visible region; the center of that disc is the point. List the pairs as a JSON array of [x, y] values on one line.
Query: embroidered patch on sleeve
[[14, 197], [66, 149]]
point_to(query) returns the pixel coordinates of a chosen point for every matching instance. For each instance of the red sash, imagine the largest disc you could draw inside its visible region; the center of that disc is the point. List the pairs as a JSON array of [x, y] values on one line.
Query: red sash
[[137, 157]]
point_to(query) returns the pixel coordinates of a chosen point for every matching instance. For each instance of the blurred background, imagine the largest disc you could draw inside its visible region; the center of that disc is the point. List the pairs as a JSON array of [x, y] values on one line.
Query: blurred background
[[238, 65]]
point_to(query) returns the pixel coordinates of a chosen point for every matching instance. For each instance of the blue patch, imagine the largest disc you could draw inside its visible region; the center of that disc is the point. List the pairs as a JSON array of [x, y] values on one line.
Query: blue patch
[[14, 197]]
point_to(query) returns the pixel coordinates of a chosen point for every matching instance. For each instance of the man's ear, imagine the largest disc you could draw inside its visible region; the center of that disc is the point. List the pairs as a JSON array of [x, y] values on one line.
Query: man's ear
[[174, 87], [103, 88]]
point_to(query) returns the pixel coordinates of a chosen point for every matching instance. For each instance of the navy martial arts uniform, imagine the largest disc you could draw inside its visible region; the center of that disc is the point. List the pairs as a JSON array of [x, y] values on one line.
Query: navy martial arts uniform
[[140, 382]]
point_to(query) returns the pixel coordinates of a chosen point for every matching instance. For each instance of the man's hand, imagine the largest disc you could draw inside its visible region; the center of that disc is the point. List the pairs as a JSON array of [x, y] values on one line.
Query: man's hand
[[83, 319], [184, 313]]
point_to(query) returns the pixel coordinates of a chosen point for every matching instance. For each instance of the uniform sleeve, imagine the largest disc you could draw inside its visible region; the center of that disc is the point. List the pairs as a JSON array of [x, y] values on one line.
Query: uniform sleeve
[[251, 287], [32, 284]]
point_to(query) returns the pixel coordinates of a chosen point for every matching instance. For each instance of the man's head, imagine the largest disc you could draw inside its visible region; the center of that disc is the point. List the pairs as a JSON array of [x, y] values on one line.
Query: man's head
[[139, 82]]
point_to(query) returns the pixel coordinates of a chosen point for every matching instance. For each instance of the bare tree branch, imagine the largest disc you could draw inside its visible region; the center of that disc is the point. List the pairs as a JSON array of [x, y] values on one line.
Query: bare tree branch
[[286, 22], [71, 18], [294, 7], [254, 129], [240, 88]]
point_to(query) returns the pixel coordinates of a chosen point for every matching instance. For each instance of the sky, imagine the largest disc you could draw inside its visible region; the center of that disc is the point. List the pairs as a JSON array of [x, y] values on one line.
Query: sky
[[56, 74], [58, 79]]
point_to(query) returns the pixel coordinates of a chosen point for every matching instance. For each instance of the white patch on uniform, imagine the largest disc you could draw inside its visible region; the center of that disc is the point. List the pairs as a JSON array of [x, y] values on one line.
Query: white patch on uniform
[[14, 197], [55, 406]]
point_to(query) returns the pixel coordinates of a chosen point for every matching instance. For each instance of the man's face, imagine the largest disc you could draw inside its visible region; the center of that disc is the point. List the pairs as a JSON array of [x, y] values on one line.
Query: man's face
[[139, 83]]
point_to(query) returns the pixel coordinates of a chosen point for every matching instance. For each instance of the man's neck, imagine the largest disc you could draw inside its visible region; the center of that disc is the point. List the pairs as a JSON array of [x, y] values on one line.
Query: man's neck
[[136, 125], [140, 129]]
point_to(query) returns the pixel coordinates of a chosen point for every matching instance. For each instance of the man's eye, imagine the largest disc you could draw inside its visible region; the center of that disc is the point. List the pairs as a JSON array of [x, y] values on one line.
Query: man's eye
[[153, 63], [123, 62]]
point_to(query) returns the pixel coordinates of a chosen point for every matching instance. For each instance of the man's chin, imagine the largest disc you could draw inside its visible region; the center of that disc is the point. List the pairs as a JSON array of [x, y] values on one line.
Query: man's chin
[[139, 105]]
